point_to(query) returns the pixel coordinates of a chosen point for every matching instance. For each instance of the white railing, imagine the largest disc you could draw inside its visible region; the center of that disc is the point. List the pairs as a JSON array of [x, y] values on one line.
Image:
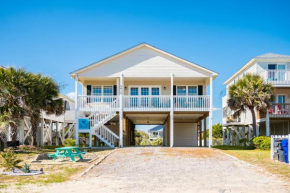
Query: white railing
[[144, 103], [277, 76], [147, 103], [107, 136], [97, 103], [280, 110], [191, 103]]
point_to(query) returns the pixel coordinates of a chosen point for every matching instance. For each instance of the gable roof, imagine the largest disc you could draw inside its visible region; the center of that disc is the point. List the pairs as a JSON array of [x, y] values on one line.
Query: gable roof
[[260, 57], [135, 48], [272, 56]]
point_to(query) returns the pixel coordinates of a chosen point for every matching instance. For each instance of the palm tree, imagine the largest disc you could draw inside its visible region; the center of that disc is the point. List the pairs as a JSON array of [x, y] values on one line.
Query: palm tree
[[42, 96], [250, 93], [12, 90], [5, 122]]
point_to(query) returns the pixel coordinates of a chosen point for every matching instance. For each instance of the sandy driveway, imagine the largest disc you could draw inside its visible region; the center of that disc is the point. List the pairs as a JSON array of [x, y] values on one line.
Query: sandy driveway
[[169, 170]]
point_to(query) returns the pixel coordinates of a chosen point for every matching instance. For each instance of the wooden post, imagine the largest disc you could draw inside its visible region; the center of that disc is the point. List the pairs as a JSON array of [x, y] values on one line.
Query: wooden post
[[267, 124], [56, 134], [200, 133]]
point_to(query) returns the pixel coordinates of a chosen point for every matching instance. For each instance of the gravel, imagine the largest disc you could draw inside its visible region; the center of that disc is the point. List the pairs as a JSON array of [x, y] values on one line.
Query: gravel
[[161, 169]]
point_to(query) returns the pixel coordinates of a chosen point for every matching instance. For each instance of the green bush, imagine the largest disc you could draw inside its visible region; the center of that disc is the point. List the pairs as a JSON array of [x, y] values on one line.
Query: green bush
[[69, 142], [262, 142], [157, 141], [9, 160]]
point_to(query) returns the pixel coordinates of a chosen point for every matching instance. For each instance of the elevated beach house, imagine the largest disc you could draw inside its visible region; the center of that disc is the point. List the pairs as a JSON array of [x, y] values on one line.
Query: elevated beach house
[[143, 85], [275, 69]]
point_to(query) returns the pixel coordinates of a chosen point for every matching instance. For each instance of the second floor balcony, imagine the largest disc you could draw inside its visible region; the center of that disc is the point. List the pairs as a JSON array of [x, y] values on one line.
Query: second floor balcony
[[145, 103], [277, 77]]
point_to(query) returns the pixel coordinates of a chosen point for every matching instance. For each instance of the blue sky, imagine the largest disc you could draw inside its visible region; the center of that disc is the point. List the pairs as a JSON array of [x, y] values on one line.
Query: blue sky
[[57, 37]]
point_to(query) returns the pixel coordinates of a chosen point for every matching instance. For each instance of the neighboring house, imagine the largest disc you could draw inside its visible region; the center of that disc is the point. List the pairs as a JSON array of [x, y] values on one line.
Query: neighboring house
[[143, 85], [52, 129], [156, 132], [275, 69]]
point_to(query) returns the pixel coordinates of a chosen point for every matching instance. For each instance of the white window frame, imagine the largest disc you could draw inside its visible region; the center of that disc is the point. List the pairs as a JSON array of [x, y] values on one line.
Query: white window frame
[[145, 86], [186, 86], [102, 89]]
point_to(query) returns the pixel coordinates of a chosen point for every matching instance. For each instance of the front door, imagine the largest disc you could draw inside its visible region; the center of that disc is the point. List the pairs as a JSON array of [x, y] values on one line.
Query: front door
[[134, 91], [144, 96], [281, 72], [272, 72]]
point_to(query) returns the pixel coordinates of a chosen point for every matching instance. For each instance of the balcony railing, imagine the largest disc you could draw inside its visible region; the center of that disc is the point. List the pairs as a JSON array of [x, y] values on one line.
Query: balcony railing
[[97, 103], [280, 110], [191, 103], [145, 103], [281, 77]]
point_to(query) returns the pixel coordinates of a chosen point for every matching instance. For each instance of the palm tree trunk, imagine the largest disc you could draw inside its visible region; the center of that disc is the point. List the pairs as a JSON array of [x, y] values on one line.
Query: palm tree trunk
[[254, 121], [34, 125]]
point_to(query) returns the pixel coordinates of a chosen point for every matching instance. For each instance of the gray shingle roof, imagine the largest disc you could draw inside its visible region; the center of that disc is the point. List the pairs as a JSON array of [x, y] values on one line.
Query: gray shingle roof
[[272, 55]]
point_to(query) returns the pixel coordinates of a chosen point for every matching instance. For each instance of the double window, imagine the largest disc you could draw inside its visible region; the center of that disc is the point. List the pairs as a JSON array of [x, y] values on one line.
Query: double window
[[144, 92], [105, 93], [186, 90]]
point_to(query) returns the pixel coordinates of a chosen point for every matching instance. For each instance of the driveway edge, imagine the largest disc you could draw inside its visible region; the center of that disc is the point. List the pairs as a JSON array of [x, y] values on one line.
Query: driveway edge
[[93, 165]]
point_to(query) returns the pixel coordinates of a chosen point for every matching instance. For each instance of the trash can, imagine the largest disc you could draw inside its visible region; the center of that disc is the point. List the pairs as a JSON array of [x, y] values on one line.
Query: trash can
[[281, 155], [285, 148]]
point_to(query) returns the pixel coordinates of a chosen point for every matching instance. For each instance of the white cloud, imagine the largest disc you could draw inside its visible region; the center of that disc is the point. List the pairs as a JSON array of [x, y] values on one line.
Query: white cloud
[[71, 95]]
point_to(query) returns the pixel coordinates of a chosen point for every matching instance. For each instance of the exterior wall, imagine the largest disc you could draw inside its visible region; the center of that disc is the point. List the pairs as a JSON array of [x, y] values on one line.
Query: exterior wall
[[185, 134], [144, 62], [162, 84], [283, 91]]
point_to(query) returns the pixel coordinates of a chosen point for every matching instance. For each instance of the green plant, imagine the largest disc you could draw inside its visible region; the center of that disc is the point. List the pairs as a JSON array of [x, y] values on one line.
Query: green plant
[[250, 93], [69, 142], [262, 142], [9, 160], [145, 142], [158, 141], [26, 168], [217, 131]]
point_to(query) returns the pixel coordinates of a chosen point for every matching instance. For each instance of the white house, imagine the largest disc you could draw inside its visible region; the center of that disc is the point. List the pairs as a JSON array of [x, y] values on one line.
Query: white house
[[155, 132], [275, 68], [143, 85]]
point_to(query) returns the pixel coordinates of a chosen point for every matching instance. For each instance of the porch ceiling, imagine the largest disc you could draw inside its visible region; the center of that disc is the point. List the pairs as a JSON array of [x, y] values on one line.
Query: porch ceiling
[[144, 119]]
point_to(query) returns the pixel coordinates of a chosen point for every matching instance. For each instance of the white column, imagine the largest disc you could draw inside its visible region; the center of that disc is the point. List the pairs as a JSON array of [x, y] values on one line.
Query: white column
[[90, 138], [76, 111], [171, 114], [57, 134], [121, 111], [272, 147], [267, 124], [42, 132], [210, 114], [257, 130], [243, 132], [228, 136], [249, 132], [21, 132]]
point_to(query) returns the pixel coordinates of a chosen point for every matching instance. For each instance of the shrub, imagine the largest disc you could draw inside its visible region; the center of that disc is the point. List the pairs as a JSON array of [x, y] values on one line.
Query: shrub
[[27, 147], [157, 141], [145, 142], [26, 168], [262, 142], [9, 160], [69, 142]]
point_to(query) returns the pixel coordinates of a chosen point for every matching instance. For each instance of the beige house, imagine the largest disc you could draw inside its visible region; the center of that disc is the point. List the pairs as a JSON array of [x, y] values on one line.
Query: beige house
[[275, 69], [143, 85]]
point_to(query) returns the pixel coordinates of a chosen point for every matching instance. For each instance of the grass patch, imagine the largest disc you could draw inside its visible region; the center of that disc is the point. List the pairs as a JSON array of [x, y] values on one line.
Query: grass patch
[[3, 186], [260, 158]]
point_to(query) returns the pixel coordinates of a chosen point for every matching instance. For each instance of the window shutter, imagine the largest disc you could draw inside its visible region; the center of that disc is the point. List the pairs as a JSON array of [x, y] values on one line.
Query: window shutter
[[115, 90], [174, 90], [89, 90], [200, 90]]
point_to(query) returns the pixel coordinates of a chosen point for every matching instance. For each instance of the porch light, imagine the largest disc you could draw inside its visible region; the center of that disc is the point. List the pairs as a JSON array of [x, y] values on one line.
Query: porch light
[[164, 87], [125, 87]]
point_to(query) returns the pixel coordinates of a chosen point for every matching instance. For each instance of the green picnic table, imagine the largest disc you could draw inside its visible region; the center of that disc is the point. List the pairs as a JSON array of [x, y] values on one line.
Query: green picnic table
[[63, 152]]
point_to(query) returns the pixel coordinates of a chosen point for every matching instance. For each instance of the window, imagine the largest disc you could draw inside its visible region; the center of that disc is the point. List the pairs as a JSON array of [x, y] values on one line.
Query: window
[[154, 91], [192, 90], [105, 91], [144, 91], [186, 90], [181, 90], [134, 91], [281, 99], [97, 90]]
